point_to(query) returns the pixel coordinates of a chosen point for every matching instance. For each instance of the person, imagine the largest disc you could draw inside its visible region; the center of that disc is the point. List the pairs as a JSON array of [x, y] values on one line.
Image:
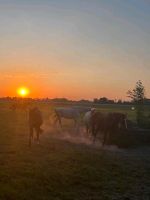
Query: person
[[35, 122]]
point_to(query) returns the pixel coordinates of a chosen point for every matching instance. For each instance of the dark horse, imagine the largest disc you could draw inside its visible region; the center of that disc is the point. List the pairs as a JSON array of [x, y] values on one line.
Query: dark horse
[[35, 122], [107, 124]]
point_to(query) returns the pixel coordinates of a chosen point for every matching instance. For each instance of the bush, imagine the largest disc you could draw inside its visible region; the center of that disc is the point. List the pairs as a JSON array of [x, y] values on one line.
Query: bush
[[130, 139], [144, 122]]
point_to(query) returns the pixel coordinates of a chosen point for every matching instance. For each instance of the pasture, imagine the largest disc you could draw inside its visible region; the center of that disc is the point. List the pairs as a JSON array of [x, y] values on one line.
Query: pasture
[[62, 168]]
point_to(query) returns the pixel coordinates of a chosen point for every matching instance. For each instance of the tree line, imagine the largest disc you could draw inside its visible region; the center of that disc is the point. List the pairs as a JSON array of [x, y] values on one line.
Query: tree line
[[137, 95]]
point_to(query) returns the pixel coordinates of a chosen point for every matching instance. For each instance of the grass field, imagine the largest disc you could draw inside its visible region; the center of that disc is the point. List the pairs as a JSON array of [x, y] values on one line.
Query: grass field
[[61, 169]]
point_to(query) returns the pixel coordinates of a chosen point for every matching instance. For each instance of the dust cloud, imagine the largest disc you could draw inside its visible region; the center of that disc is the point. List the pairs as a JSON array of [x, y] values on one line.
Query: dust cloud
[[74, 135]]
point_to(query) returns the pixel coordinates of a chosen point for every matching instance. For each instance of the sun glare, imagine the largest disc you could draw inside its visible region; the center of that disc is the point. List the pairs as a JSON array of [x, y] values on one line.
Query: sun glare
[[23, 91]]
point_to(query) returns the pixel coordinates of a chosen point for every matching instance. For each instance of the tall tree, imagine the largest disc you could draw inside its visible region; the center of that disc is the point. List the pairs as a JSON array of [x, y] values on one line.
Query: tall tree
[[138, 95]]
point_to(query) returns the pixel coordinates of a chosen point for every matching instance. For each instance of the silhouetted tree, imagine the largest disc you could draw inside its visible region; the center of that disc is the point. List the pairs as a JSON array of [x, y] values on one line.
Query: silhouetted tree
[[138, 95], [103, 100], [95, 100]]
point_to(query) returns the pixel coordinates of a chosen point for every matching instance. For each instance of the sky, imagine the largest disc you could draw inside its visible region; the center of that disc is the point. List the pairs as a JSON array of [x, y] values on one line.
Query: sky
[[74, 48]]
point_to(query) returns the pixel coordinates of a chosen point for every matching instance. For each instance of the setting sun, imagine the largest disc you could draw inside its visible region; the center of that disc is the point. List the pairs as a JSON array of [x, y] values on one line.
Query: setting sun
[[23, 91]]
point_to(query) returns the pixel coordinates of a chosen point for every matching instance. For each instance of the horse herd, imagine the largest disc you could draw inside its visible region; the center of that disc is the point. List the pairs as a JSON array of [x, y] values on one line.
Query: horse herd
[[95, 122]]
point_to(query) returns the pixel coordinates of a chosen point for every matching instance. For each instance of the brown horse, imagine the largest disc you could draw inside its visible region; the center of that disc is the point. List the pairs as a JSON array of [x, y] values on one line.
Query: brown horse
[[35, 122], [107, 124]]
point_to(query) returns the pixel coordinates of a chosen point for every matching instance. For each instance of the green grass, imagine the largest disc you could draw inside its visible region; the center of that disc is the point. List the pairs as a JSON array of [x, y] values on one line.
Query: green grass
[[60, 170]]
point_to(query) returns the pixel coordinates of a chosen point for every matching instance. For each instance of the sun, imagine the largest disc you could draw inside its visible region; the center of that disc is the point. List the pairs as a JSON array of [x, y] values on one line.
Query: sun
[[23, 91]]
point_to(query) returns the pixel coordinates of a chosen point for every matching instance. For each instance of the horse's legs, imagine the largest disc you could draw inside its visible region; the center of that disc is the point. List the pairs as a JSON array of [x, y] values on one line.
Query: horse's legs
[[38, 130], [106, 134], [94, 133], [59, 120], [30, 135], [55, 120], [76, 123], [87, 129], [94, 138]]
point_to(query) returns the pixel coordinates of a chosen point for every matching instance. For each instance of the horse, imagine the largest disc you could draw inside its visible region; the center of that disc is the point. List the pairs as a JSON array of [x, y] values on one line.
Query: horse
[[35, 122], [107, 123], [67, 113], [82, 109], [87, 120]]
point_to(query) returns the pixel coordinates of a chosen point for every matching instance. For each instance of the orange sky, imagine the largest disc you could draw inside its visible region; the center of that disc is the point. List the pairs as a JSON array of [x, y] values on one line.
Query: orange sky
[[74, 49]]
